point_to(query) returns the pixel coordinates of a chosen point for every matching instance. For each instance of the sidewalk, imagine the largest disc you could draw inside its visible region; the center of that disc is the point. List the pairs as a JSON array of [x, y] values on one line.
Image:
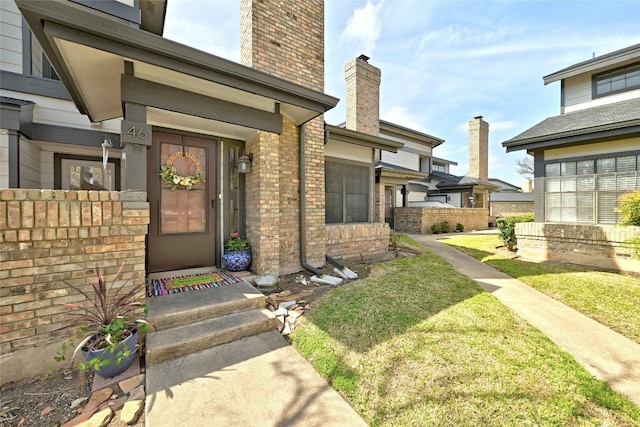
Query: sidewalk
[[604, 353], [255, 381]]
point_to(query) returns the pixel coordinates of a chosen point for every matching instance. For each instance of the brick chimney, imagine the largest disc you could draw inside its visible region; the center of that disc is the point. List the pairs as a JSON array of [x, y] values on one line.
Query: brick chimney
[[479, 149], [284, 38], [363, 96]]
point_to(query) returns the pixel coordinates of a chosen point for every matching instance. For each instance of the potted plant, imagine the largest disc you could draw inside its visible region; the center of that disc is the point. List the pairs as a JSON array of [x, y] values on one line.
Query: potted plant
[[237, 253], [108, 328]]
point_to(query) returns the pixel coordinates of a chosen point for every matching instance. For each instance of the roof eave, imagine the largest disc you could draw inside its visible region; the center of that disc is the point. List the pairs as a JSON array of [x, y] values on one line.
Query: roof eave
[[404, 131], [606, 60], [159, 51], [599, 134], [358, 138]]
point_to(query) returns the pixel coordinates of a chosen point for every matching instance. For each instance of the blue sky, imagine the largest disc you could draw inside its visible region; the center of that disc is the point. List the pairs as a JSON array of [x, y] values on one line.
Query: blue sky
[[444, 62]]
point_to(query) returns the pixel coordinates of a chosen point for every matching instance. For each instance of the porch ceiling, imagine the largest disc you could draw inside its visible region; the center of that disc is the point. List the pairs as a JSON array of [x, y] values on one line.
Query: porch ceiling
[[89, 51]]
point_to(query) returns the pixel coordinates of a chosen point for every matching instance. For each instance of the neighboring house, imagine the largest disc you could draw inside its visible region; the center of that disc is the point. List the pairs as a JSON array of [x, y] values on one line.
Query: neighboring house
[[588, 155], [412, 159], [510, 199], [584, 159], [411, 176], [95, 101], [462, 191]]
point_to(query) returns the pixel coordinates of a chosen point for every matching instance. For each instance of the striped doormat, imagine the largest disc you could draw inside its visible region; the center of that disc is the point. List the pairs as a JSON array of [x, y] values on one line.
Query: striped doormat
[[173, 285]]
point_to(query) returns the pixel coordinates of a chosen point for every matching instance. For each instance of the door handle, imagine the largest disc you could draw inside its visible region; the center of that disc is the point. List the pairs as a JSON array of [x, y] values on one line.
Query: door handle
[[213, 203]]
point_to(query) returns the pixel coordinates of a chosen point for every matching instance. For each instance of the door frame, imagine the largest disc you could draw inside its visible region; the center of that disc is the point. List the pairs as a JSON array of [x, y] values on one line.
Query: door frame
[[212, 200]]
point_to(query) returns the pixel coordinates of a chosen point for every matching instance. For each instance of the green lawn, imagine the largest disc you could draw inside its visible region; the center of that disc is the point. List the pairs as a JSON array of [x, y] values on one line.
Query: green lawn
[[611, 299], [419, 344]]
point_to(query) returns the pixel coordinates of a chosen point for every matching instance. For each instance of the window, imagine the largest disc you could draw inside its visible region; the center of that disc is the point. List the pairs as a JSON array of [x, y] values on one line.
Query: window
[[438, 168], [347, 192], [587, 191], [615, 81]]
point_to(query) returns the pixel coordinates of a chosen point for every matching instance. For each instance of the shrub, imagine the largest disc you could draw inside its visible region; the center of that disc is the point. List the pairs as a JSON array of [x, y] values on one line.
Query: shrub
[[629, 208], [507, 227], [435, 228], [445, 227], [460, 227]]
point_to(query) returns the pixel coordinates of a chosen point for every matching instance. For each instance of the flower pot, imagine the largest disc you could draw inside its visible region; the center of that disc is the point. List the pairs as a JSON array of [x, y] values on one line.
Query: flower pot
[[236, 260], [114, 368]]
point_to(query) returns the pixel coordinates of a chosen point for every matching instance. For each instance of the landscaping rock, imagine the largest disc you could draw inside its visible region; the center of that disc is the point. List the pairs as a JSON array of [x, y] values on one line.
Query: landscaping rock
[[129, 384], [268, 280], [100, 419], [79, 401], [98, 398], [131, 411]]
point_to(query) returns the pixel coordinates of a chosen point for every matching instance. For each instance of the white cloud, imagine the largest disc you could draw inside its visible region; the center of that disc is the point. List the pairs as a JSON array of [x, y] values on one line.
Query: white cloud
[[364, 26], [502, 125], [401, 116]]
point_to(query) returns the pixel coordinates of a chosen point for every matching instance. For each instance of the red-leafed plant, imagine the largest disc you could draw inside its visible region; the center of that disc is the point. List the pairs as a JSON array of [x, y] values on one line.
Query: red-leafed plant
[[106, 320]]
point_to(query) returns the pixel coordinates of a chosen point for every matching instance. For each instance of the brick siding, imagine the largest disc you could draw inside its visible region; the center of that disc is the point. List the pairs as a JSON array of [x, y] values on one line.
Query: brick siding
[[48, 237], [594, 245], [358, 242], [511, 208], [420, 220]]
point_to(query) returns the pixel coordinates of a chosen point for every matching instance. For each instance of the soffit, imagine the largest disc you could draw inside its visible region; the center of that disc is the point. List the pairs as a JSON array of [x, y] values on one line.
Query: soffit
[[89, 50]]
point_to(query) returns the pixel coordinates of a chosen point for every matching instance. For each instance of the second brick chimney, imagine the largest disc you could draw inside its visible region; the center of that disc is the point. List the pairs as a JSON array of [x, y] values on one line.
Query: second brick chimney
[[479, 149], [363, 96]]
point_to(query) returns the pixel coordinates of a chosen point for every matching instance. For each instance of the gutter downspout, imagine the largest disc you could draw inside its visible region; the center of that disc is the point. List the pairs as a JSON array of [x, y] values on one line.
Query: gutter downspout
[[303, 206]]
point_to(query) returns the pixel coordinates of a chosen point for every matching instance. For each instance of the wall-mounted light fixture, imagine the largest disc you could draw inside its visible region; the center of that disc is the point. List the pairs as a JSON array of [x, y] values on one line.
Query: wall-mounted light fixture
[[244, 163]]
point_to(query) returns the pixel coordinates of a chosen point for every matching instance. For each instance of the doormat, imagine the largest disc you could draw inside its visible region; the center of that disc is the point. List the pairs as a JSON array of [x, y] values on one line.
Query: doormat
[[174, 285]]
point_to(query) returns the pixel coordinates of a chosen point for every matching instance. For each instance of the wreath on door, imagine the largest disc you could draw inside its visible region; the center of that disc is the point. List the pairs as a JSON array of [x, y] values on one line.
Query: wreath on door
[[170, 176]]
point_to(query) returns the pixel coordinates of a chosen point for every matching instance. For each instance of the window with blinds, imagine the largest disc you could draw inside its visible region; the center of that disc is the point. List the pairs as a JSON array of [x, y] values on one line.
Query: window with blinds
[[347, 192], [587, 191]]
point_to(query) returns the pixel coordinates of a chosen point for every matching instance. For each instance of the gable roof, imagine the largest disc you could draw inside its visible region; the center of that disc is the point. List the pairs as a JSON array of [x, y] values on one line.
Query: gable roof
[[504, 185], [603, 61], [90, 51], [405, 132], [359, 138], [591, 124]]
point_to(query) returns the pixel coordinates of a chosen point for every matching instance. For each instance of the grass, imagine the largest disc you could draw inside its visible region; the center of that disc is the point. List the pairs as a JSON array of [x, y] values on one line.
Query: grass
[[417, 343], [611, 299]]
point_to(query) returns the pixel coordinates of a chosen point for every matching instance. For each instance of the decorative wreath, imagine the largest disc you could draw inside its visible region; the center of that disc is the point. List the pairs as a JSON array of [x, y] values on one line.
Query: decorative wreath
[[170, 176]]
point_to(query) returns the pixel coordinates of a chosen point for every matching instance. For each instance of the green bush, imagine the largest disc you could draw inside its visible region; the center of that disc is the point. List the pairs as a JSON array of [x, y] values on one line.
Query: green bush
[[629, 208], [435, 228], [445, 227], [460, 227], [507, 227]]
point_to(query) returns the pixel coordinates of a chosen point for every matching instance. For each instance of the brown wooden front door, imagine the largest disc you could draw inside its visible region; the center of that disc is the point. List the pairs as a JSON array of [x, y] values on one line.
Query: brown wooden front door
[[182, 230]]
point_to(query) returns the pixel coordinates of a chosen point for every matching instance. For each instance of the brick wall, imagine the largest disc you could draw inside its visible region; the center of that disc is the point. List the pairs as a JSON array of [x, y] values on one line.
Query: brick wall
[[358, 242], [51, 236], [419, 220], [594, 245], [511, 208], [284, 38]]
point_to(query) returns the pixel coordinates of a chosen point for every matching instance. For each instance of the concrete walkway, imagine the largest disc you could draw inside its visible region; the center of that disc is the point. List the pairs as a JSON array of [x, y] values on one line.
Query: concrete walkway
[[255, 381], [604, 353]]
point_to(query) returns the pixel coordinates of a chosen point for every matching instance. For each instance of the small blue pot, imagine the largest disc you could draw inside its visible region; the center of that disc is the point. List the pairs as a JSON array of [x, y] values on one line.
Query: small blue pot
[[236, 260]]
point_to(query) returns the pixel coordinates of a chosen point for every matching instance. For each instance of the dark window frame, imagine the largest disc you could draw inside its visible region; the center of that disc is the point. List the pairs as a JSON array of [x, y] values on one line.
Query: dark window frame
[[610, 74], [344, 205]]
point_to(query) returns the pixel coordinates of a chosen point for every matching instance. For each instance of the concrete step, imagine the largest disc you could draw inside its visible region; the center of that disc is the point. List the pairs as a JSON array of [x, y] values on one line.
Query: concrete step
[[174, 310], [178, 341]]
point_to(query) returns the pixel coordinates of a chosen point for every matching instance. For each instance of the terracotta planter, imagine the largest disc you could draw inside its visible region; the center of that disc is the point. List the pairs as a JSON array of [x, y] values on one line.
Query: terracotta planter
[[114, 368], [236, 260]]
